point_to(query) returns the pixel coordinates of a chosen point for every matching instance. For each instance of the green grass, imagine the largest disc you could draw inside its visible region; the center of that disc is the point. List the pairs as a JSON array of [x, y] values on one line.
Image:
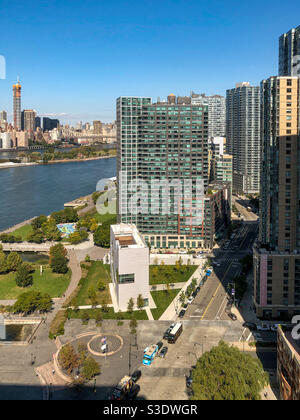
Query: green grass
[[168, 273], [23, 232], [110, 314], [162, 301], [97, 271], [53, 284], [102, 218]]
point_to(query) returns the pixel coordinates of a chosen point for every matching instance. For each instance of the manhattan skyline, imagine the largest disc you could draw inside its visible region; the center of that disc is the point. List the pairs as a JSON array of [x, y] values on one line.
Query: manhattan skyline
[[75, 59]]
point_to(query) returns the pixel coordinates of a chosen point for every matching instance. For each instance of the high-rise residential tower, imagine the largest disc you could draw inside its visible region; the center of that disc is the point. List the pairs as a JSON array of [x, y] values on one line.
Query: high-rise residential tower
[[289, 53], [243, 136], [17, 106], [28, 120], [216, 113], [166, 142], [277, 252]]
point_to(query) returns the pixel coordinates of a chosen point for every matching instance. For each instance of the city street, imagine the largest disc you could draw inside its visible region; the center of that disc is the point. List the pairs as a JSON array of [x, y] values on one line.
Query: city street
[[210, 303]]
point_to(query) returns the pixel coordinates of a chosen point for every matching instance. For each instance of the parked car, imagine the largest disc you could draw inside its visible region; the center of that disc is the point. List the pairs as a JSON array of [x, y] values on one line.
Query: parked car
[[182, 252], [190, 300], [197, 289], [132, 394], [185, 306], [232, 316], [274, 327], [166, 334], [263, 327], [136, 375], [250, 325], [189, 381], [163, 352], [182, 313], [194, 294], [159, 345]]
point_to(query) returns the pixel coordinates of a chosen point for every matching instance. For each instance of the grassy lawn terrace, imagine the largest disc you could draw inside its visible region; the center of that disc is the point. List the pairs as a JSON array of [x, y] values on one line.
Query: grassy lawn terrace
[[110, 314], [169, 274], [23, 232], [53, 284], [162, 300], [96, 271]]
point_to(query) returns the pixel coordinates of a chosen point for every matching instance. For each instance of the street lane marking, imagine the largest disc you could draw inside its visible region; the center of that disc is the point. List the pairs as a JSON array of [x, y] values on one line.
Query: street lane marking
[[214, 295]]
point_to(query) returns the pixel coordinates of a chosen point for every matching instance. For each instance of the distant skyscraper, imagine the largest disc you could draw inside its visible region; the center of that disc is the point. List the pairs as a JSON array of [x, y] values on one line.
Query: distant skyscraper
[[17, 106], [28, 120], [37, 122], [216, 113], [49, 123], [289, 53], [3, 116], [277, 253], [243, 136], [97, 125]]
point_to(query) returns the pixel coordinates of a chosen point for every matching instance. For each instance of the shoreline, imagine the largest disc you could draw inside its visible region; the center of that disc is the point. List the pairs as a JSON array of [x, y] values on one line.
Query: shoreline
[[28, 221], [9, 165]]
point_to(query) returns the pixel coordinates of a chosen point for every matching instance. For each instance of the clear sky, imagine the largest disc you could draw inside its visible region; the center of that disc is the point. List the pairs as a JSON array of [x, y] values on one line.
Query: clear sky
[[74, 58]]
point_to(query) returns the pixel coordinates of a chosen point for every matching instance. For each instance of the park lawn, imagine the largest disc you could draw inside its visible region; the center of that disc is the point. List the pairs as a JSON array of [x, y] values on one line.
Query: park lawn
[[23, 232], [102, 218], [97, 271], [110, 314], [162, 300], [53, 284], [169, 274]]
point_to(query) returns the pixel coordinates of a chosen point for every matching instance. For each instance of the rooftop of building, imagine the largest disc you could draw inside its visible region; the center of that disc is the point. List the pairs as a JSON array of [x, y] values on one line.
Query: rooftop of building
[[294, 343], [128, 236]]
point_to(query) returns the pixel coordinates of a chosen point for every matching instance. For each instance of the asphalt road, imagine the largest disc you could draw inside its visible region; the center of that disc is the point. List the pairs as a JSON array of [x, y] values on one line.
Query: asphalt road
[[210, 302]]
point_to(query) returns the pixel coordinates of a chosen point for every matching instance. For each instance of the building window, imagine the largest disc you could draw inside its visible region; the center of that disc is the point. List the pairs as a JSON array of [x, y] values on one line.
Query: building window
[[126, 278]]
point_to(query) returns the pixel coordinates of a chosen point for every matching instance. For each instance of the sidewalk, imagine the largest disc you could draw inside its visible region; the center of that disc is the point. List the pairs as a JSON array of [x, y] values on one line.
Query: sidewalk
[[245, 312], [170, 313]]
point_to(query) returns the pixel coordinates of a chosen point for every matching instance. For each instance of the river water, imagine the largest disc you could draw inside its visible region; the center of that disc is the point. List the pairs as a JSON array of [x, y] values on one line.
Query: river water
[[27, 192]]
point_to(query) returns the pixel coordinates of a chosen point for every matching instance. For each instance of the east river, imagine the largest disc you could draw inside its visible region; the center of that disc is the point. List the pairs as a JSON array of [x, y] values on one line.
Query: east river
[[26, 192]]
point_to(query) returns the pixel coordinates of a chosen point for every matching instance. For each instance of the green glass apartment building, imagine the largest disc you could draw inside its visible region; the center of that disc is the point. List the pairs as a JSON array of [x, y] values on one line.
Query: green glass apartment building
[[165, 141]]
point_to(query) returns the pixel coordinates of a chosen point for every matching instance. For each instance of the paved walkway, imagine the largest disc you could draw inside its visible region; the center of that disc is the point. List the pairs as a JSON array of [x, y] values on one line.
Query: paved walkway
[[171, 312], [156, 287]]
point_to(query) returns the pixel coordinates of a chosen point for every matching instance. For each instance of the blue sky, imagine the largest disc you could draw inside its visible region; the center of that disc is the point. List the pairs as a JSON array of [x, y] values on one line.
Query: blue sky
[[74, 58]]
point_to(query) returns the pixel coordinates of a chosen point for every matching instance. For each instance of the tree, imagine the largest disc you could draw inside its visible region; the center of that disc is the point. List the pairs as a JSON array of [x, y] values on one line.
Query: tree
[[59, 264], [182, 297], [38, 221], [102, 236], [58, 249], [140, 302], [13, 261], [85, 317], [225, 373], [23, 276], [68, 358], [99, 317], [133, 325], [36, 237], [130, 305], [51, 231], [32, 301], [3, 263], [90, 368]]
